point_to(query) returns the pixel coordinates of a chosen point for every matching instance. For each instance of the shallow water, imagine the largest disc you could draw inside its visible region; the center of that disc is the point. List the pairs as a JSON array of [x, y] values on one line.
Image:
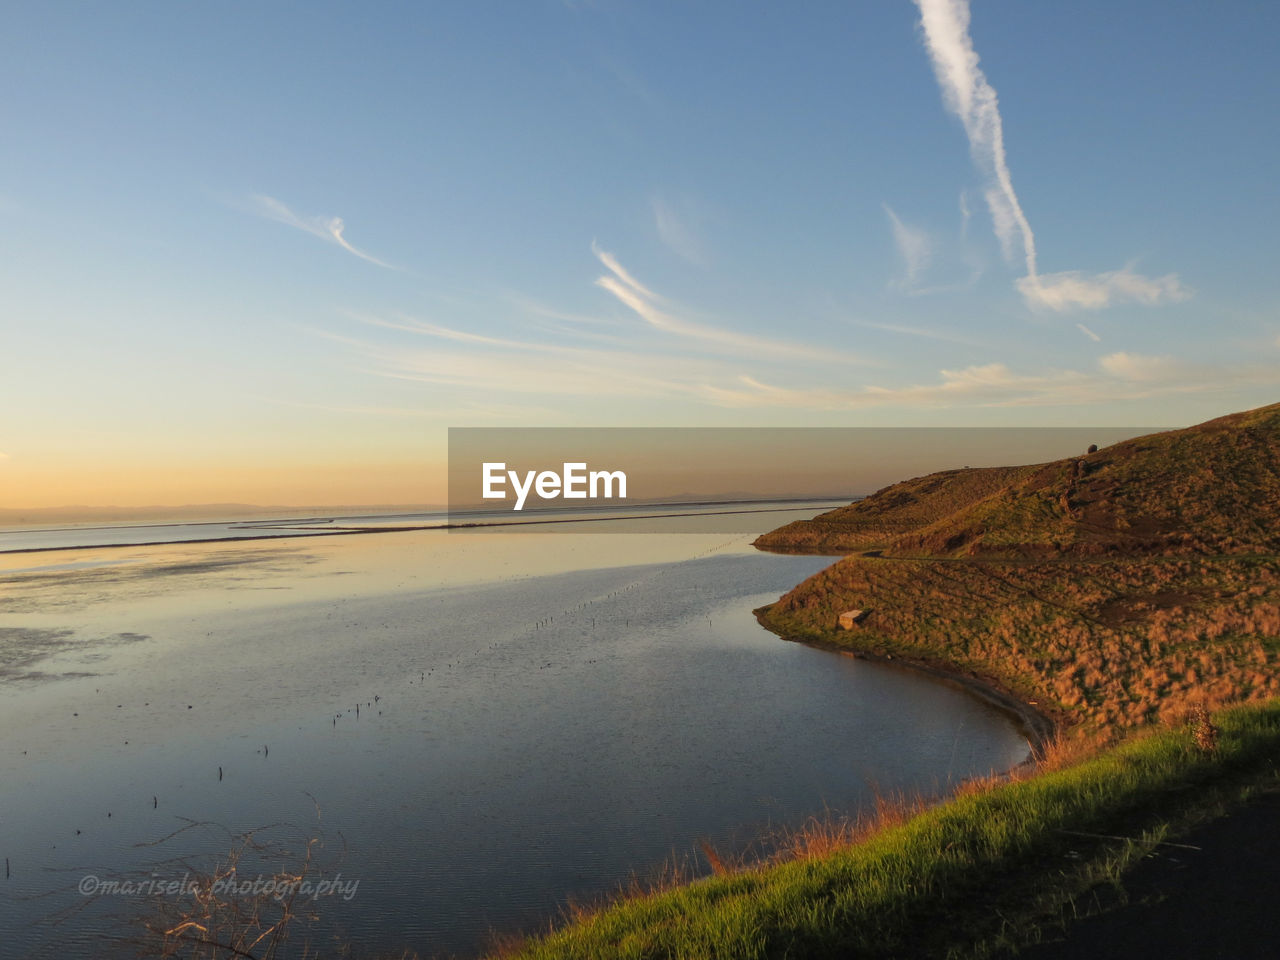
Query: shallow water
[[552, 714], [694, 517]]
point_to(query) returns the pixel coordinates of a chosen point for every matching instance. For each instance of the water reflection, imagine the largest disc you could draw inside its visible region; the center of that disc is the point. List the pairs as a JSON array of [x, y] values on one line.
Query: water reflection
[[538, 717]]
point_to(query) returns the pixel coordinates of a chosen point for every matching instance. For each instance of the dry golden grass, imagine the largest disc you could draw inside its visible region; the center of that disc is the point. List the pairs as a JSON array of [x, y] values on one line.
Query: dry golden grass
[[1101, 644], [1213, 489], [1137, 587], [891, 512], [1111, 591]]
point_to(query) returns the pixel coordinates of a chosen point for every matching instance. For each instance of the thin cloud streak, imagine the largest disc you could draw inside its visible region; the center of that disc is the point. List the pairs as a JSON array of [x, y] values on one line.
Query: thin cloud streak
[[967, 93], [502, 365], [1121, 377], [983, 385], [327, 228], [442, 414], [675, 230], [409, 325], [1135, 366], [550, 313], [587, 373], [1070, 289], [970, 97], [641, 300], [423, 328], [504, 370], [1088, 333], [941, 335], [613, 266], [914, 247]]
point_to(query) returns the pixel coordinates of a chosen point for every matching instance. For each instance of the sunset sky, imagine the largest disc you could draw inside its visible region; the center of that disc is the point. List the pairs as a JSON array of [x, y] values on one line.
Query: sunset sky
[[269, 254]]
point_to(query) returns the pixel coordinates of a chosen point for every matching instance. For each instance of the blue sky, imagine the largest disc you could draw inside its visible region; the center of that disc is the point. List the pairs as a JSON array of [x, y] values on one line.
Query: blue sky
[[267, 252]]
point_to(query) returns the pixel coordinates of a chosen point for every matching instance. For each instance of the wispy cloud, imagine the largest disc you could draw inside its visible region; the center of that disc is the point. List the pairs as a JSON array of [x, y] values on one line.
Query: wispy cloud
[[618, 270], [410, 325], [1136, 366], [1088, 333], [509, 366], [461, 365], [992, 384], [327, 228], [511, 370], [970, 97], [443, 414], [424, 328], [675, 226], [645, 304], [914, 247], [1071, 289], [968, 94], [945, 336], [1120, 377], [650, 361], [551, 313]]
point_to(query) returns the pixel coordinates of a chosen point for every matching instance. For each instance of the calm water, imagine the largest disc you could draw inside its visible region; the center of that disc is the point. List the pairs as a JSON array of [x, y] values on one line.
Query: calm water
[[540, 717], [733, 517]]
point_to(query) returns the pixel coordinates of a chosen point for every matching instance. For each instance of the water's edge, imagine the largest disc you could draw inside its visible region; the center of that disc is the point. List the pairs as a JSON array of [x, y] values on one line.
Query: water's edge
[[1038, 727]]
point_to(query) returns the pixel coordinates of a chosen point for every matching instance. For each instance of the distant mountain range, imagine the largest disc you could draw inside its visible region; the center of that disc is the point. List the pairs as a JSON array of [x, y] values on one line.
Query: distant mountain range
[[190, 513]]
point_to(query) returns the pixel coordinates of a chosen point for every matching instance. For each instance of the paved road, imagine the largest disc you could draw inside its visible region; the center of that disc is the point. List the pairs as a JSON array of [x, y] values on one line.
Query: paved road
[[1222, 901]]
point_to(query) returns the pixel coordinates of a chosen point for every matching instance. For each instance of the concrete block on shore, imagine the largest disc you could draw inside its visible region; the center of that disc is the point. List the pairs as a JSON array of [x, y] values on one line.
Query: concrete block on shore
[[850, 618]]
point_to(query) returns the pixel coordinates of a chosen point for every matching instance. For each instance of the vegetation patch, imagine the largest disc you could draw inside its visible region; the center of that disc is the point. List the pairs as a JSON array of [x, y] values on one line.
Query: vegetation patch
[[978, 874], [1124, 594]]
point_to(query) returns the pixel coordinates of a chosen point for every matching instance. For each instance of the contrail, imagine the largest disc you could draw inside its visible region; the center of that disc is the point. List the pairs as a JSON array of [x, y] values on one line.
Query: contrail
[[970, 97], [967, 94]]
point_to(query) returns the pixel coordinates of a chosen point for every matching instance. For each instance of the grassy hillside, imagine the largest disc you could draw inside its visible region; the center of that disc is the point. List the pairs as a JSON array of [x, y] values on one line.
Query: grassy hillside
[[1120, 593], [1111, 643], [999, 866], [1210, 489], [1111, 590], [896, 510]]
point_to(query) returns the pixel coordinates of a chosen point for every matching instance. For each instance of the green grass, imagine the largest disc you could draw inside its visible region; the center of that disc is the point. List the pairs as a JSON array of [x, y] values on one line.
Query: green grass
[[963, 879], [1111, 589]]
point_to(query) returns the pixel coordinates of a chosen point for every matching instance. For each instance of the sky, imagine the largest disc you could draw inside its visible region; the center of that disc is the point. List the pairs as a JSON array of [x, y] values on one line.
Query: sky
[[270, 253]]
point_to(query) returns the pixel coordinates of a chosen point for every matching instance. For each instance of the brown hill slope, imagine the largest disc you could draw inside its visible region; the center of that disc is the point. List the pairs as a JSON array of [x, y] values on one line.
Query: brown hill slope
[[1209, 489], [899, 509], [1116, 592]]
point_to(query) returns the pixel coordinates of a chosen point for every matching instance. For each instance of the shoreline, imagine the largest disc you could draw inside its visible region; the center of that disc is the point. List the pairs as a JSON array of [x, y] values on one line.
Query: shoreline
[[1037, 726], [459, 526]]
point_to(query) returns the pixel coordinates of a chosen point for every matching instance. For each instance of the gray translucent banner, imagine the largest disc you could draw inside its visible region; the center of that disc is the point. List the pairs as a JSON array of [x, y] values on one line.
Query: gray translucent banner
[[703, 479]]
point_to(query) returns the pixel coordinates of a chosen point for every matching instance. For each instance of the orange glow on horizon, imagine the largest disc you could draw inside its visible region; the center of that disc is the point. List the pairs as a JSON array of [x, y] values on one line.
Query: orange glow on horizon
[[69, 482]]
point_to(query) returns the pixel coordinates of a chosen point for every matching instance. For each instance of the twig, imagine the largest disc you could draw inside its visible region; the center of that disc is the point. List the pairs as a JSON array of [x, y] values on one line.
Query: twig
[[1107, 836]]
